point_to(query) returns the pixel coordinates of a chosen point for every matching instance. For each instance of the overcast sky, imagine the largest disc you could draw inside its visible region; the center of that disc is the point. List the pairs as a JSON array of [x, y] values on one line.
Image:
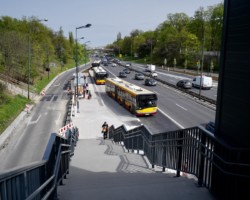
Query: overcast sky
[[108, 17]]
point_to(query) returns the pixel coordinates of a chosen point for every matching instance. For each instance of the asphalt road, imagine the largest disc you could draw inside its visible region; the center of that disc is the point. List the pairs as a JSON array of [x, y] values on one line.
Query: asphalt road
[[173, 77], [29, 139], [182, 110]]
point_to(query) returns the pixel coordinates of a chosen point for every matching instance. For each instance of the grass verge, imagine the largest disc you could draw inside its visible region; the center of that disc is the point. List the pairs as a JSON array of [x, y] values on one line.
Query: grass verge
[[10, 110]]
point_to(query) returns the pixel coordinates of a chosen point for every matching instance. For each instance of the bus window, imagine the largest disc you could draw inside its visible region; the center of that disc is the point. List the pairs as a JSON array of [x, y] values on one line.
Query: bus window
[[147, 101]]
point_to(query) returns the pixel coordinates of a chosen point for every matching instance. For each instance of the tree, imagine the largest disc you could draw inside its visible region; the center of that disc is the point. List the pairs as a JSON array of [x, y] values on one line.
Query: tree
[[44, 46], [216, 22], [178, 21], [119, 36]]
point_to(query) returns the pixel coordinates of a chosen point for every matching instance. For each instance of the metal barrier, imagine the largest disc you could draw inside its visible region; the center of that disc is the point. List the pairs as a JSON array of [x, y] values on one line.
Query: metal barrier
[[39, 180], [221, 168]]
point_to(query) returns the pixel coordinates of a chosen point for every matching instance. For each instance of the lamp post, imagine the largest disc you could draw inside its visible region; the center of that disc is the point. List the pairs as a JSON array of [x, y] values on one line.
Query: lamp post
[[29, 55], [76, 60], [85, 52], [202, 53], [80, 27], [131, 48], [151, 51]]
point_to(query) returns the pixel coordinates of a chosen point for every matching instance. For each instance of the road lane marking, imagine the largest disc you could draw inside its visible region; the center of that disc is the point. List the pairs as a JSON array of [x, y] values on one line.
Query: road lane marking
[[181, 107], [182, 127], [58, 119], [34, 122]]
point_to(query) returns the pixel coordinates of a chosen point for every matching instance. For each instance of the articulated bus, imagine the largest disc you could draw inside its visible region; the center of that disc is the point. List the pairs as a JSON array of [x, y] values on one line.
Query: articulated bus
[[137, 100], [96, 63], [100, 75]]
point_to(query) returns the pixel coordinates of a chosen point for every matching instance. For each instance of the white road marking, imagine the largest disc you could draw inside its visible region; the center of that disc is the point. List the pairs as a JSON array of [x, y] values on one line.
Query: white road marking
[[34, 122], [181, 107], [182, 127], [58, 120]]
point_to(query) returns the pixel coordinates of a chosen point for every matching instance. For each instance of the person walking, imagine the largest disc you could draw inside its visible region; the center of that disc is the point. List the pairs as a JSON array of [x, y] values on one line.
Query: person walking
[[105, 128]]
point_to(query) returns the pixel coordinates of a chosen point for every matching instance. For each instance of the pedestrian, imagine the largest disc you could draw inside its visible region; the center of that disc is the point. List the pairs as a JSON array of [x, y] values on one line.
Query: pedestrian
[[87, 88], [105, 128], [90, 95]]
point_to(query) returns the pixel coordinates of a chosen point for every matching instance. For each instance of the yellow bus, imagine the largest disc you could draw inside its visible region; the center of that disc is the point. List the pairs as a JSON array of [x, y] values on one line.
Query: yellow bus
[[137, 100], [100, 75]]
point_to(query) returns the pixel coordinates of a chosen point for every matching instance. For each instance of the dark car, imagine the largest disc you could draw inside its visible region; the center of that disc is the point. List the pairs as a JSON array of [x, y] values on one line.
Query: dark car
[[127, 71], [122, 75], [139, 76], [210, 126], [150, 82], [185, 84]]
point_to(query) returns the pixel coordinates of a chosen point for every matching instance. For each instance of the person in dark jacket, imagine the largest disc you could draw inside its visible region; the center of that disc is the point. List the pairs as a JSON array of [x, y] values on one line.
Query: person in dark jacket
[[105, 128]]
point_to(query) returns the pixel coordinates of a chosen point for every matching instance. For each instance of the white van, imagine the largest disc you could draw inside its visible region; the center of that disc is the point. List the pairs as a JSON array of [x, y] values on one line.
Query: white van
[[150, 68], [205, 82]]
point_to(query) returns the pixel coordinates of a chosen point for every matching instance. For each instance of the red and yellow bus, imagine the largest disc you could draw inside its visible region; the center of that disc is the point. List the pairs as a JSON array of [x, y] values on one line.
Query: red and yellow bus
[[99, 75], [137, 100]]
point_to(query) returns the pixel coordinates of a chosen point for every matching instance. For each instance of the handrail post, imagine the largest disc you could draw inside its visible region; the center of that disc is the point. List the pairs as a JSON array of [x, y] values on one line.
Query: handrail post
[[202, 155], [179, 150], [164, 152], [152, 150]]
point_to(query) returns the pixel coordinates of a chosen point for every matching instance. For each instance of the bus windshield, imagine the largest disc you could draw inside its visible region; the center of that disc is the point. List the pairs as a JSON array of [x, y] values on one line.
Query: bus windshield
[[101, 75], [144, 101]]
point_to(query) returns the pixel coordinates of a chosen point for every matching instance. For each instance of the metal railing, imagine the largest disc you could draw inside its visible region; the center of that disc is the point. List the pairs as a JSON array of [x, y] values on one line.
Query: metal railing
[[223, 169], [39, 180]]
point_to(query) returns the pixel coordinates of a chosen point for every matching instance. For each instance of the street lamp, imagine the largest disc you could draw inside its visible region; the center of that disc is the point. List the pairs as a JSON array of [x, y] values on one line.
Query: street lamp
[[202, 53], [85, 52], [29, 55], [76, 90], [151, 51], [76, 59]]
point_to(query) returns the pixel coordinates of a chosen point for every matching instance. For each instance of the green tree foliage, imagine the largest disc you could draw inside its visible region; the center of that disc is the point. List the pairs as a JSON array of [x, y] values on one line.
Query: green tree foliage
[[45, 47], [179, 37]]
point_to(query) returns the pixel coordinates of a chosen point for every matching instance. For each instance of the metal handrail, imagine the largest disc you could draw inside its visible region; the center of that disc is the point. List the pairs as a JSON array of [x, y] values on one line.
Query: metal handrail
[[194, 151], [39, 180]]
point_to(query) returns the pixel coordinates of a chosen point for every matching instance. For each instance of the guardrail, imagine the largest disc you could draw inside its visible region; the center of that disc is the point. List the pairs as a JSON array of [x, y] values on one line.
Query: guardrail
[[224, 170]]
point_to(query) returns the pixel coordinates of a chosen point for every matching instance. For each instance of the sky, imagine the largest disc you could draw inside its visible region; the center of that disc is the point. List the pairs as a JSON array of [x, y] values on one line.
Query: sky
[[107, 18]]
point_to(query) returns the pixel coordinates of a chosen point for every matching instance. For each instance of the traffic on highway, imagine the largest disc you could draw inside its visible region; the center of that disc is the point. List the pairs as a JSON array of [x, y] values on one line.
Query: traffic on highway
[[175, 109], [175, 106]]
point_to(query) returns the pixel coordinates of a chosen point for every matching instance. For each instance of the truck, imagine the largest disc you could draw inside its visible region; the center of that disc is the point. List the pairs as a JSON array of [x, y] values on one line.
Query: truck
[[203, 82], [150, 68]]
